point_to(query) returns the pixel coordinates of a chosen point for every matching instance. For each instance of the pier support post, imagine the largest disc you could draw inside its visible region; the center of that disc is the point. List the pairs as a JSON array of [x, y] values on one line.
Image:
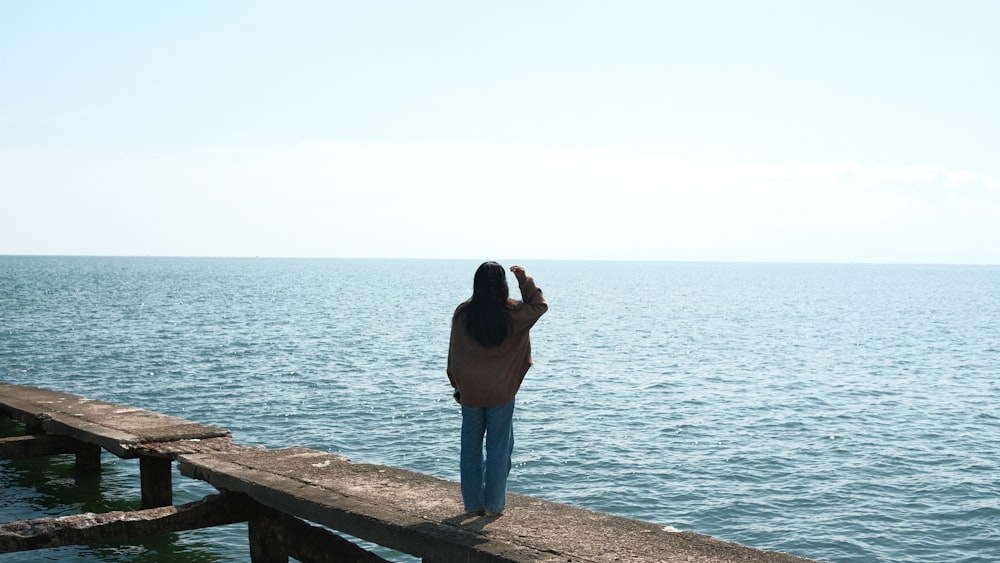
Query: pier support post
[[88, 458], [155, 479], [276, 537], [264, 546]]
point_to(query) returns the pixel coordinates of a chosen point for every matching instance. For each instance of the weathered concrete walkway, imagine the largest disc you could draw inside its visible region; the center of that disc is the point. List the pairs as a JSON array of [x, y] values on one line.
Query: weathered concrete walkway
[[127, 432], [422, 515], [276, 490], [156, 439]]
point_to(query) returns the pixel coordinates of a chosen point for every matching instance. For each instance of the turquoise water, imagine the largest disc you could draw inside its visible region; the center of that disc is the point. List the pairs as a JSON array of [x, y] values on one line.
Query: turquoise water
[[845, 413]]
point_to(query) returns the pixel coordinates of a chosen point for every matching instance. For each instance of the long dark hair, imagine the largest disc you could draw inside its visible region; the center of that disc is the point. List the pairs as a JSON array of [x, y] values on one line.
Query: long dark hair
[[487, 313]]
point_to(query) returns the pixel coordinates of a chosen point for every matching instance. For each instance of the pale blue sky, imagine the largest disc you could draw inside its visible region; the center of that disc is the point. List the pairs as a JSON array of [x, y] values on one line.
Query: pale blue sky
[[847, 131]]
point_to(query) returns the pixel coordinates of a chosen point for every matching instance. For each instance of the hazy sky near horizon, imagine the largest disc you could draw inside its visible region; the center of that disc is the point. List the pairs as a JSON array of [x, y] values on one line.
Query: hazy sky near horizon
[[849, 131]]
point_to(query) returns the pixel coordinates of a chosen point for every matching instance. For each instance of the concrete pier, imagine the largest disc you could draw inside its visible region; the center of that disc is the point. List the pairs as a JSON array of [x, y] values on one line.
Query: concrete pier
[[279, 492], [423, 516], [156, 439]]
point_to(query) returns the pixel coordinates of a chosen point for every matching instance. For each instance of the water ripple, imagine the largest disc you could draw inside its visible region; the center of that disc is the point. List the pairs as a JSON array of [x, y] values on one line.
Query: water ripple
[[843, 413]]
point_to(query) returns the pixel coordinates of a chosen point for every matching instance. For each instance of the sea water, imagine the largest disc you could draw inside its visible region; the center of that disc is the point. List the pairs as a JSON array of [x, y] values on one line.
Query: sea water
[[845, 413]]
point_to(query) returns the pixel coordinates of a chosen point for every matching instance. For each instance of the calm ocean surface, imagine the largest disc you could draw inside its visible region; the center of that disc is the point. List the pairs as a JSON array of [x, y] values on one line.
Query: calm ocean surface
[[844, 413]]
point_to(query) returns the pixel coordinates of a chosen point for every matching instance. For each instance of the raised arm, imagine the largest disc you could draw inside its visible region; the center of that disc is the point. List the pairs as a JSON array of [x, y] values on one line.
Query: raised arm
[[531, 295]]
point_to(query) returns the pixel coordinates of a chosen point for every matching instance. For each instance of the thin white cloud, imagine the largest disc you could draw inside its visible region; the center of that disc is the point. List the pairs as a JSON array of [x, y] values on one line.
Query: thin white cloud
[[464, 200]]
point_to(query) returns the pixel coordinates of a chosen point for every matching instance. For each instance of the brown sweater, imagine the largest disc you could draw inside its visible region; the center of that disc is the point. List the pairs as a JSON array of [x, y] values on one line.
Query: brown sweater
[[490, 377]]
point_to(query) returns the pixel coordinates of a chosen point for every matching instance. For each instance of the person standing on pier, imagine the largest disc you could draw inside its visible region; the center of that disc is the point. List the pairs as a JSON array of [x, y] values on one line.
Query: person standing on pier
[[488, 357]]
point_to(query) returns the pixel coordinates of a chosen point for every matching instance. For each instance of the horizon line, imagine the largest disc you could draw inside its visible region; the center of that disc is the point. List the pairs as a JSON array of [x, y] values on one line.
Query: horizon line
[[457, 259]]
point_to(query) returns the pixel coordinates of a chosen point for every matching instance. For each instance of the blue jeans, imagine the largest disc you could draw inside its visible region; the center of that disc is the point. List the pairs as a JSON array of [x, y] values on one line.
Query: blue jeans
[[484, 481]]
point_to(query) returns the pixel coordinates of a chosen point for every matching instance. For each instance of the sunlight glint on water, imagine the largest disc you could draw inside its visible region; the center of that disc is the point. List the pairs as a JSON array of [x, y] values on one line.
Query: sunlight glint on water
[[841, 413]]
